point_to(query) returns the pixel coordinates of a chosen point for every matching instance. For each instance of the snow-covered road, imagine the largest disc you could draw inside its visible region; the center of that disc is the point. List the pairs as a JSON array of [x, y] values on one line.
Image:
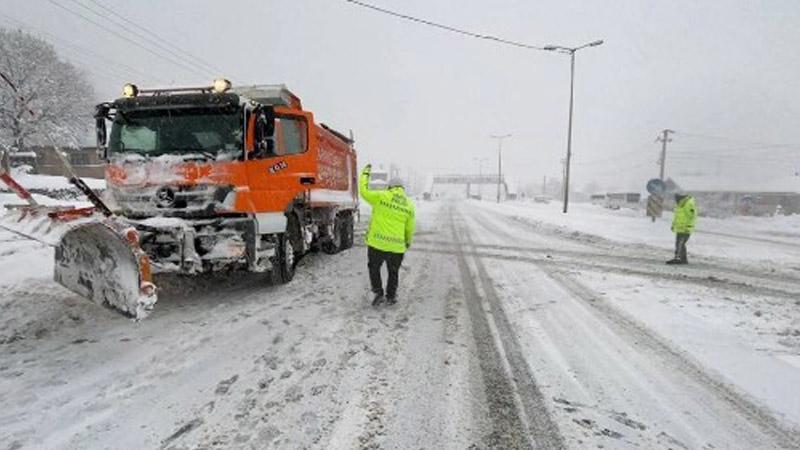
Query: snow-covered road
[[634, 369], [511, 332]]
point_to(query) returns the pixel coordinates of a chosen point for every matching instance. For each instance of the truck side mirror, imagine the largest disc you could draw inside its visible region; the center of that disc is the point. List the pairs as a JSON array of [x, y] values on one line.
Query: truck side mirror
[[100, 131], [265, 128]]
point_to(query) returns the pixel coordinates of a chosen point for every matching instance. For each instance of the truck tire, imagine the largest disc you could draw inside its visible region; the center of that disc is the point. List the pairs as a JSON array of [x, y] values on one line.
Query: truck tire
[[284, 261], [333, 244], [347, 231], [296, 236]]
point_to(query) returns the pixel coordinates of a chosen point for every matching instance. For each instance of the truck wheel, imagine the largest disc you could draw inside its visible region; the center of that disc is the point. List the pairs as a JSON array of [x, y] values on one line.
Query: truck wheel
[[347, 231], [333, 244], [295, 236], [284, 261]]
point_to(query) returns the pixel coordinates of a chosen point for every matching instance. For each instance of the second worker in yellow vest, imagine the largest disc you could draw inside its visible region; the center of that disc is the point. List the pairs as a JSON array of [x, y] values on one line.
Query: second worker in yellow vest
[[683, 220]]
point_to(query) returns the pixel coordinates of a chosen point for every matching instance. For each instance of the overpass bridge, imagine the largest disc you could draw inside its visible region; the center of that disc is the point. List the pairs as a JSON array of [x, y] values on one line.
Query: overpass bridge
[[509, 189]]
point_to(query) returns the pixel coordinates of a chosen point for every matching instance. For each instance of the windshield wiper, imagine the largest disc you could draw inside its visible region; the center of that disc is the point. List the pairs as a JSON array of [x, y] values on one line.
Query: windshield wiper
[[191, 151]]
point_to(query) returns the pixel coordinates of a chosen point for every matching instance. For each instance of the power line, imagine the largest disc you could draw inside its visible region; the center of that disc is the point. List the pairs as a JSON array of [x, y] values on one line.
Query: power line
[[730, 139], [608, 159], [109, 73], [165, 41], [138, 35], [122, 68], [756, 157], [736, 151], [125, 38], [152, 41], [748, 161], [82, 64], [627, 169], [446, 27]]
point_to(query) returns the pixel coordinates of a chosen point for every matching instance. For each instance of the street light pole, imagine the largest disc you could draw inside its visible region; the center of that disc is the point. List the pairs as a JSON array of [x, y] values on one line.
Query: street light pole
[[499, 160], [569, 129], [571, 51]]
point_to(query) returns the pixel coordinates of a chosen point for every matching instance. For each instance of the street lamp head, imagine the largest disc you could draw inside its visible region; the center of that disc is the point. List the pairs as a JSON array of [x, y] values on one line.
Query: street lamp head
[[596, 43], [550, 48]]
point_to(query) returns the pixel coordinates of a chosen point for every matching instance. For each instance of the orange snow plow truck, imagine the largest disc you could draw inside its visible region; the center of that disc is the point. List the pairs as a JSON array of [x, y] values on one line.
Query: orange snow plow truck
[[199, 180]]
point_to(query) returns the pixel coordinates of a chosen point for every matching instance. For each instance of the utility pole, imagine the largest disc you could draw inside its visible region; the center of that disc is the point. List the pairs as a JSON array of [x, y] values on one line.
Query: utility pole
[[664, 138], [499, 160]]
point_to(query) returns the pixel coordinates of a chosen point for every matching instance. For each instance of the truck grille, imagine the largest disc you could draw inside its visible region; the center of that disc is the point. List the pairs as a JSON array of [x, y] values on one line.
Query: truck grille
[[170, 200]]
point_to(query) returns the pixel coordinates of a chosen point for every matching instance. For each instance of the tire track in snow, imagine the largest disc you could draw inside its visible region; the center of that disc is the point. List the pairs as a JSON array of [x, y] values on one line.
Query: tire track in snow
[[710, 281], [758, 416], [751, 238], [363, 422], [627, 260], [737, 281], [605, 249], [519, 410], [763, 419]]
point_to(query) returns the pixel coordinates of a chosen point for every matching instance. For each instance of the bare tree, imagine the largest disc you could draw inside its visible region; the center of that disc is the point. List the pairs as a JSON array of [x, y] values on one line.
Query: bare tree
[[43, 100]]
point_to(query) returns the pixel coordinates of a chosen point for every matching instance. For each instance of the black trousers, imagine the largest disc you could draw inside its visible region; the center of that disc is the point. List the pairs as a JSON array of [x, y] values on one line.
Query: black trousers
[[680, 245], [375, 259]]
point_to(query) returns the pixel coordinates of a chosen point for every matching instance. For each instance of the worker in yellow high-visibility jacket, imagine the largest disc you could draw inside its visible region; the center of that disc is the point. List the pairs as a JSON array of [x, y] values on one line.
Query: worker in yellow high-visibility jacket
[[391, 228], [684, 219]]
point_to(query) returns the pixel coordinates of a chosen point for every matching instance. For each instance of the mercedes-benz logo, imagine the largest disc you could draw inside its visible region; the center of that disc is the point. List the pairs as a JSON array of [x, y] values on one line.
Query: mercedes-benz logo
[[165, 197]]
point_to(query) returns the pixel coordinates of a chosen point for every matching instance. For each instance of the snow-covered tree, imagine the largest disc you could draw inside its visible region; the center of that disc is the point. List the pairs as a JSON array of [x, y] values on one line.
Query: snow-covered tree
[[43, 100]]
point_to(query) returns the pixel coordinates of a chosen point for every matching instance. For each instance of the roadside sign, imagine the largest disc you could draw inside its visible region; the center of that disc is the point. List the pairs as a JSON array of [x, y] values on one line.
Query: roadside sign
[[655, 206], [656, 186]]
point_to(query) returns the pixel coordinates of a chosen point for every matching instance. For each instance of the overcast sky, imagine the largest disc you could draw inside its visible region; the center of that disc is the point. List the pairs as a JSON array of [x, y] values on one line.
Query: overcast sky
[[428, 99]]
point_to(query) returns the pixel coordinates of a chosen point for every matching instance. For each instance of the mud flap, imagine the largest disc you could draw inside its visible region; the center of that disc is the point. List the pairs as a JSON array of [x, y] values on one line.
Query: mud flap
[[107, 267]]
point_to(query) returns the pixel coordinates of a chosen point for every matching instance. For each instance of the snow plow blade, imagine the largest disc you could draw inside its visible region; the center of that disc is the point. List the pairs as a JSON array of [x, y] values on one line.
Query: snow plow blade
[[104, 263], [97, 254]]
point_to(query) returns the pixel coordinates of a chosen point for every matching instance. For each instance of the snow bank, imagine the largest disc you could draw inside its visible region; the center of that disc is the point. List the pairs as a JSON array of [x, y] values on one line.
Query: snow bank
[[50, 182], [752, 238]]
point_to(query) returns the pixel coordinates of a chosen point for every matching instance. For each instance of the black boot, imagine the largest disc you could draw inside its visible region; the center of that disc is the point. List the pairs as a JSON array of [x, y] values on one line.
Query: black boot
[[378, 299], [674, 261], [391, 300]]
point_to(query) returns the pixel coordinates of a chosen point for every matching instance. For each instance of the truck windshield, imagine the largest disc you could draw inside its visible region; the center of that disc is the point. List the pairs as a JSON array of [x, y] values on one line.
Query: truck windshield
[[209, 132]]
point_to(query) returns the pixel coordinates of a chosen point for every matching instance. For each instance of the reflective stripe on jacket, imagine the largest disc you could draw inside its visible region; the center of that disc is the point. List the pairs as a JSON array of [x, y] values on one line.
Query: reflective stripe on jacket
[[685, 215], [392, 224]]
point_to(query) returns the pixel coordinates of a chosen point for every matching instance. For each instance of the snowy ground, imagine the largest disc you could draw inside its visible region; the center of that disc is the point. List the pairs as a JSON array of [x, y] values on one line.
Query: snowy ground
[[518, 327]]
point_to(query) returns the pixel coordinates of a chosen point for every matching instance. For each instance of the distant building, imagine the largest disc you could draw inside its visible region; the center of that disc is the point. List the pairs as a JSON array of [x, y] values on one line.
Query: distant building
[[597, 199], [617, 200]]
